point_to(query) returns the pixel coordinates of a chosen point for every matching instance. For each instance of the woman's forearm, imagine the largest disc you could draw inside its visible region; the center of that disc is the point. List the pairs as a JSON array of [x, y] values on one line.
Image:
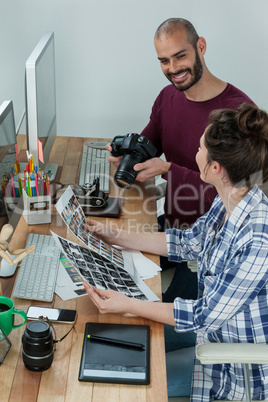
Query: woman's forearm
[[160, 312], [154, 243]]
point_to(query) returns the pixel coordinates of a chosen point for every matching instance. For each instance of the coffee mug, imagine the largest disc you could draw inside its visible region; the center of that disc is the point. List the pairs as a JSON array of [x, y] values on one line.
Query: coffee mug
[[7, 312]]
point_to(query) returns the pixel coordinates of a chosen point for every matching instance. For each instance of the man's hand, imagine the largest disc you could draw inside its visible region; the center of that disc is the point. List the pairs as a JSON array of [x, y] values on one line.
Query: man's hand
[[148, 169], [151, 168], [113, 159]]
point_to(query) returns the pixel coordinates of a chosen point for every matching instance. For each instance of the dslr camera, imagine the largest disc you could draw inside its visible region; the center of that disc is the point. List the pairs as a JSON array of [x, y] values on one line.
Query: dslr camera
[[134, 148]]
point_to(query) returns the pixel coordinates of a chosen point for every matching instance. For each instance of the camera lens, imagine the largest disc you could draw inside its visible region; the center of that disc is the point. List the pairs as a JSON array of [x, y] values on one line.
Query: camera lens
[[125, 175], [37, 349]]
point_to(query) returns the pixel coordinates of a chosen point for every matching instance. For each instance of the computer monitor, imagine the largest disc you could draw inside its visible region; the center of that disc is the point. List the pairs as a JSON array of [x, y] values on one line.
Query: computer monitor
[[40, 93], [10, 211], [7, 127]]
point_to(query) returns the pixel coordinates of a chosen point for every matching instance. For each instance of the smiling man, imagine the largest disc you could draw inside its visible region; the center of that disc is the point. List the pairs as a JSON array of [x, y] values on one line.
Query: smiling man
[[178, 119]]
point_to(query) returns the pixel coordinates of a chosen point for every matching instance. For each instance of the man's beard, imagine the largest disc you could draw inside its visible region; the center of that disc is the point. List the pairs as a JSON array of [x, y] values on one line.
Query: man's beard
[[196, 74]]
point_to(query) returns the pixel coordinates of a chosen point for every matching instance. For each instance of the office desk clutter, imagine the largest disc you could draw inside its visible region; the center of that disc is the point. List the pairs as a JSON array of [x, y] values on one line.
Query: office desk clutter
[[68, 293]]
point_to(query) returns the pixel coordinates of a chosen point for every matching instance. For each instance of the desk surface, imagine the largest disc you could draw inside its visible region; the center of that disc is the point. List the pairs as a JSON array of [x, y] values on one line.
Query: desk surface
[[60, 382]]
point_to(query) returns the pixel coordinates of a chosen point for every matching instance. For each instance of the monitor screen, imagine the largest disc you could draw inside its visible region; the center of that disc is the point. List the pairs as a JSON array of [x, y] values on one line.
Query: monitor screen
[[40, 90], [10, 192]]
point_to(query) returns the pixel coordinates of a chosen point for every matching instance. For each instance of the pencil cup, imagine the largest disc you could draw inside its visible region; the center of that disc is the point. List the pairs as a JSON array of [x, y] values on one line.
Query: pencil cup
[[37, 209]]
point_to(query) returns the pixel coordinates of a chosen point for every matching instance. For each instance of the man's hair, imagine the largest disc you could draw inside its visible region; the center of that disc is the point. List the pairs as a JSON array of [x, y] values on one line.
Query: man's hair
[[172, 25]]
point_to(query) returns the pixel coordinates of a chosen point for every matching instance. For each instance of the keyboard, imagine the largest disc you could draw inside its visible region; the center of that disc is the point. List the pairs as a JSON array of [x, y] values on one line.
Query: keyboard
[[94, 164], [36, 279]]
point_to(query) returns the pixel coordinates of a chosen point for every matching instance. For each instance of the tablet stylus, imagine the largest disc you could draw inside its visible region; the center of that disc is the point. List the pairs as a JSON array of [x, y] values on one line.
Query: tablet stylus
[[115, 341]]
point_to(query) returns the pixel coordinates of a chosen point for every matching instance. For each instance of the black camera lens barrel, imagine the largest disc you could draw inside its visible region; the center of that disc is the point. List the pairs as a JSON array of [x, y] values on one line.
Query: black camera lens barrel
[[125, 174], [38, 349], [135, 149]]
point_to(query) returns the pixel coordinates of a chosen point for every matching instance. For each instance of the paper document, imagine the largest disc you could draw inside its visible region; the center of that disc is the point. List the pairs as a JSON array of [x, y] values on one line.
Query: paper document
[[100, 272], [100, 264]]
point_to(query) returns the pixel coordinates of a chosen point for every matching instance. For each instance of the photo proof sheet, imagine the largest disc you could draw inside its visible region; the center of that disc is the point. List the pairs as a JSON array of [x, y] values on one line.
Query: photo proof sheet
[[100, 264]]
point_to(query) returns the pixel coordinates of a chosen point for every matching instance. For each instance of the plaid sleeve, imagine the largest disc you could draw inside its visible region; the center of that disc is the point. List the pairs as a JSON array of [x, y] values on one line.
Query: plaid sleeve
[[227, 294], [185, 245]]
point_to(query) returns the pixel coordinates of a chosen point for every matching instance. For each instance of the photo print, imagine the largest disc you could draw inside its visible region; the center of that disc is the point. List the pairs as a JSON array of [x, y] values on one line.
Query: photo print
[[98, 270], [73, 215], [69, 281]]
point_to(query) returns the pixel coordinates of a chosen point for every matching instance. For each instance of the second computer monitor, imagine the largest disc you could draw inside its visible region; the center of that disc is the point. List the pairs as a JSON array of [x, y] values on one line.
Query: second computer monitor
[[40, 88], [10, 192]]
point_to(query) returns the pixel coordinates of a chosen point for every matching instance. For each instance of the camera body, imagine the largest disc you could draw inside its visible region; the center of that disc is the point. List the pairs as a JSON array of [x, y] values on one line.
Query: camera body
[[134, 148], [38, 346]]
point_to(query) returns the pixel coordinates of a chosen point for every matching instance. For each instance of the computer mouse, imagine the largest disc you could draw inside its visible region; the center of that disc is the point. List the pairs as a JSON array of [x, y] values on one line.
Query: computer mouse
[[6, 269]]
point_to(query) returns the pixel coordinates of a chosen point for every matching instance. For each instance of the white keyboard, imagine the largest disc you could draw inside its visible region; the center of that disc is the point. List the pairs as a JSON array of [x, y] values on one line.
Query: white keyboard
[[94, 164], [37, 275]]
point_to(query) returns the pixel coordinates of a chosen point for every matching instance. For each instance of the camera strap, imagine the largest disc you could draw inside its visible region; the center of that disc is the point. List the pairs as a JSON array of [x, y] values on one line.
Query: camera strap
[[55, 340]]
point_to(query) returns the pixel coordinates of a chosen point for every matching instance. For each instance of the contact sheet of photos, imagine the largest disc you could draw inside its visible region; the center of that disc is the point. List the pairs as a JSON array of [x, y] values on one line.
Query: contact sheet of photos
[[100, 264], [97, 270], [73, 215]]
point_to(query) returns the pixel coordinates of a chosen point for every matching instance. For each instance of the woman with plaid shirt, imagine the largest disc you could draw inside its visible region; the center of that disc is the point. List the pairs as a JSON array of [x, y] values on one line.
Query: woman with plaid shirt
[[230, 243]]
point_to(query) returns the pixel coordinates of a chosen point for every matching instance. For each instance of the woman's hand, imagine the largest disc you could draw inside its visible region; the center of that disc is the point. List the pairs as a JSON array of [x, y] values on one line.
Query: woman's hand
[[108, 301], [105, 232]]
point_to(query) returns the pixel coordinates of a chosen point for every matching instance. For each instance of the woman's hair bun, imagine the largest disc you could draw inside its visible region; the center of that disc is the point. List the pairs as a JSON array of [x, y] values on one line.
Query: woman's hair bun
[[252, 121], [238, 140]]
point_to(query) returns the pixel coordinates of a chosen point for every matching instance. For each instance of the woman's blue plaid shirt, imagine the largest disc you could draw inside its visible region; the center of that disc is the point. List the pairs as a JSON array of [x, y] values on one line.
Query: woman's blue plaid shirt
[[233, 291]]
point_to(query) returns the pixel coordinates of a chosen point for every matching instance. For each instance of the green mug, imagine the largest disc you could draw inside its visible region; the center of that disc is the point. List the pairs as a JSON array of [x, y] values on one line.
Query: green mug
[[7, 312]]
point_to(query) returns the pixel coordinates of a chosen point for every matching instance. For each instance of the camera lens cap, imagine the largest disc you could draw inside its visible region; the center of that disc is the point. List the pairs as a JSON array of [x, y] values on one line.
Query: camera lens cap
[[38, 329]]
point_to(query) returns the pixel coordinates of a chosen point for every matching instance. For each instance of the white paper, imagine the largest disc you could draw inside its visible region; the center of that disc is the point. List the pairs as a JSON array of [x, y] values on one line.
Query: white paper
[[145, 267], [98, 271]]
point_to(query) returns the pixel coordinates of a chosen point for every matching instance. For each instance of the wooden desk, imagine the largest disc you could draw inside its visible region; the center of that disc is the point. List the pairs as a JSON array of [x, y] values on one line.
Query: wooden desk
[[60, 382]]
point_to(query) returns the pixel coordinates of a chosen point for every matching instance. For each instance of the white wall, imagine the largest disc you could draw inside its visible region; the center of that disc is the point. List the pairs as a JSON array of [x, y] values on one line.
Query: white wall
[[107, 70]]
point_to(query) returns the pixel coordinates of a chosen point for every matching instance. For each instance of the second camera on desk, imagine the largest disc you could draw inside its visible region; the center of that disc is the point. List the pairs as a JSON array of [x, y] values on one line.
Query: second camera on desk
[[38, 346]]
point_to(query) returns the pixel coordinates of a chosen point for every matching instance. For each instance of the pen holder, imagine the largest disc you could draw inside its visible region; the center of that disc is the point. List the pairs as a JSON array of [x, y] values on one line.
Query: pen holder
[[37, 209]]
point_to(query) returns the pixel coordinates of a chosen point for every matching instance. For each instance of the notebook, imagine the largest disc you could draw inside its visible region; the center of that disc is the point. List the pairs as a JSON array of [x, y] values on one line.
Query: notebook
[[112, 363]]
